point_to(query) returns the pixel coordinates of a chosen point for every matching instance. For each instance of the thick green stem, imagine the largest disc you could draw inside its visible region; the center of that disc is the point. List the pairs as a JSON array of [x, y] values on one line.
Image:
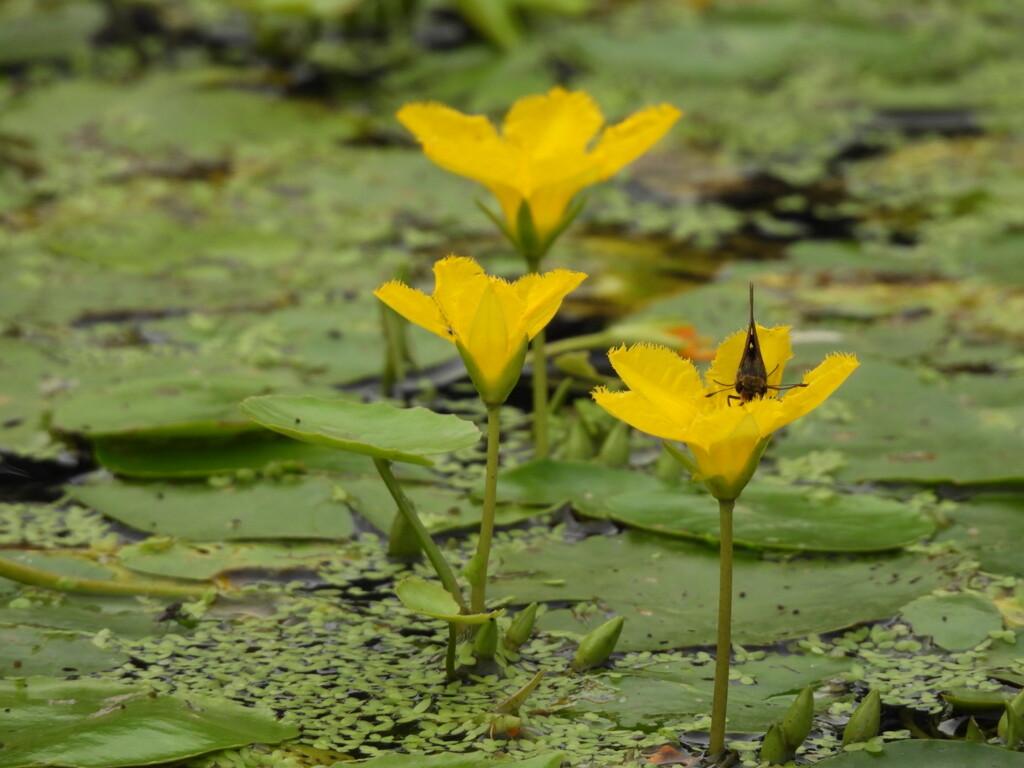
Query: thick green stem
[[540, 396], [449, 655], [37, 577], [720, 703], [540, 378], [405, 508], [483, 549]]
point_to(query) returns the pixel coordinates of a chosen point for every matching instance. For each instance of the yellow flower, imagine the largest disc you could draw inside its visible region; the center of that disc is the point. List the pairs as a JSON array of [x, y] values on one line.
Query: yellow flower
[[489, 320], [667, 398], [542, 157]]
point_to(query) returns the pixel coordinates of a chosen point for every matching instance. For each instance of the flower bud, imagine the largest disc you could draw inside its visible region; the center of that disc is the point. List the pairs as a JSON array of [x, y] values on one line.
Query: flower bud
[[521, 628], [598, 645], [615, 451], [402, 540], [579, 445], [773, 749], [796, 723], [865, 720], [974, 733], [486, 641]]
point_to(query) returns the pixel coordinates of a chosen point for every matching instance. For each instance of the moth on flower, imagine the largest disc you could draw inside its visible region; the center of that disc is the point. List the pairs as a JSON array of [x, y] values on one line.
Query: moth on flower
[[668, 399]]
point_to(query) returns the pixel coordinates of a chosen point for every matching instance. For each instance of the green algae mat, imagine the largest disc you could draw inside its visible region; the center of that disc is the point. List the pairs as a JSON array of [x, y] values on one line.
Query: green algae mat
[[197, 201]]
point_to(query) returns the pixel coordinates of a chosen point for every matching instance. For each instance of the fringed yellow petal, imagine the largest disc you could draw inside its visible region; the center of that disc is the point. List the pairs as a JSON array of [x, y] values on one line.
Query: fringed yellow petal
[[550, 200], [542, 295], [458, 284], [488, 339], [821, 382], [638, 412], [669, 382], [554, 124], [775, 349], [542, 157], [727, 466], [414, 306], [625, 142], [464, 144]]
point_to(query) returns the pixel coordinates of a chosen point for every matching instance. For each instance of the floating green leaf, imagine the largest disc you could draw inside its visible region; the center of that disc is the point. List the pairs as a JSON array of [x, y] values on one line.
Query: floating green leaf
[[928, 753], [205, 561], [98, 724], [375, 429], [955, 622], [548, 482], [668, 589], [26, 651], [665, 691], [300, 508], [772, 515], [431, 599]]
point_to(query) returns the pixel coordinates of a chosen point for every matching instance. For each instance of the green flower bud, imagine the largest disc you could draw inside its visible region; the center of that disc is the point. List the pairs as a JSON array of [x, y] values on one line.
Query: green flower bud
[[974, 733], [796, 723], [667, 469], [773, 749], [579, 445], [615, 451], [486, 641], [521, 628], [402, 540], [865, 721], [1011, 726], [598, 645]]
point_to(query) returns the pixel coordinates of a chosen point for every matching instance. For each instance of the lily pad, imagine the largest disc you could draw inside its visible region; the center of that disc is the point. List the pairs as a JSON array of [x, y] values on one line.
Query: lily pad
[[668, 589], [26, 651], [126, 616], [202, 458], [929, 753], [463, 760], [441, 509], [773, 516], [174, 405], [205, 561], [306, 508], [955, 622], [431, 599], [668, 691], [99, 724], [548, 482], [374, 429], [892, 425], [990, 528]]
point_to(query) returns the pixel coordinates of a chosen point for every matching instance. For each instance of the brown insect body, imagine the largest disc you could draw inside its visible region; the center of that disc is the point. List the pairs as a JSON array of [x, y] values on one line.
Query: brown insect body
[[751, 376]]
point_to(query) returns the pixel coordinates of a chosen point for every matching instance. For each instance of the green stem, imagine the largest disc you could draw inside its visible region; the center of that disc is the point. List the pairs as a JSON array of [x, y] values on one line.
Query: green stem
[[483, 549], [405, 508], [540, 377], [540, 396], [37, 577], [449, 656], [720, 702]]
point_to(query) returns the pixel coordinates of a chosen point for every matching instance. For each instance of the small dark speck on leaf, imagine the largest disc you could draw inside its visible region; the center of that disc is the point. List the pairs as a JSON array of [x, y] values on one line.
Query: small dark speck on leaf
[[334, 333], [13, 422], [160, 496], [796, 611], [780, 607], [298, 421], [944, 618], [743, 594]]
